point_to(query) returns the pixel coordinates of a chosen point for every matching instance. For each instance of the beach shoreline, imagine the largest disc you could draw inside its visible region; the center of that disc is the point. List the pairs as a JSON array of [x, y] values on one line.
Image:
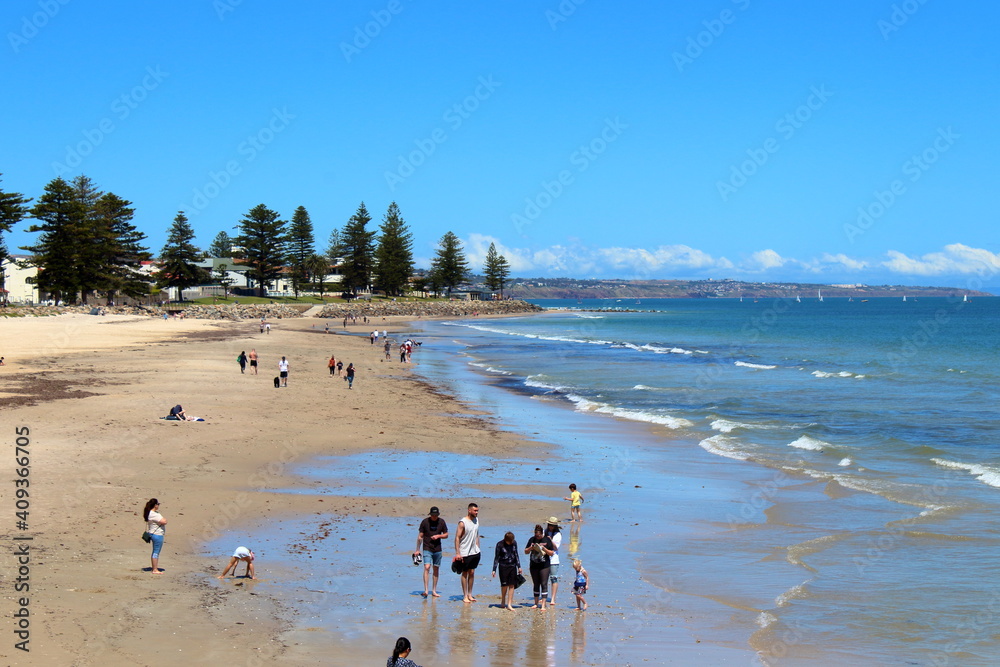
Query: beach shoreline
[[242, 477], [97, 459]]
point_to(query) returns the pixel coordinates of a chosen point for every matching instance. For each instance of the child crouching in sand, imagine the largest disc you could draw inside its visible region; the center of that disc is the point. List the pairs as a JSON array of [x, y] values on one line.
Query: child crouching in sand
[[580, 584]]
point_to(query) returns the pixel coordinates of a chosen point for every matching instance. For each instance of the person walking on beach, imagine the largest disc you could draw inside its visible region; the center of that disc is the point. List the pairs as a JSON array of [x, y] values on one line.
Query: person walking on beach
[[432, 530], [253, 361], [332, 364], [575, 503], [399, 654], [552, 532], [241, 554], [340, 367], [242, 361], [540, 549], [283, 371], [267, 328], [350, 376], [155, 526], [388, 349], [372, 336], [505, 557], [467, 550], [581, 583]]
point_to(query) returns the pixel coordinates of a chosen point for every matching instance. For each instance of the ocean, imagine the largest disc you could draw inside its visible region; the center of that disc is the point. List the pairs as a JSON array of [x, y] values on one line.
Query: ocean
[[816, 480]]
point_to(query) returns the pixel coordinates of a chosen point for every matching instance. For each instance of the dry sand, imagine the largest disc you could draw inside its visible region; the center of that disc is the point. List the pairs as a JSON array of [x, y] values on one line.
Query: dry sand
[[91, 391]]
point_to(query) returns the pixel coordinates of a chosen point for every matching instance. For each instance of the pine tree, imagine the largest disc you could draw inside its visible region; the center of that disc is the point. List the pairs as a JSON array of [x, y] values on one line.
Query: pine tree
[[179, 257], [301, 247], [222, 246], [263, 240], [356, 250], [449, 268], [94, 240], [124, 252], [496, 269], [60, 216], [394, 254], [13, 209], [221, 276], [318, 266]]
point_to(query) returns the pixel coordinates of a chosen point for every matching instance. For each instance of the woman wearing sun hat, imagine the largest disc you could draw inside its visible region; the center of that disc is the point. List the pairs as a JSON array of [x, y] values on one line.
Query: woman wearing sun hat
[[552, 532]]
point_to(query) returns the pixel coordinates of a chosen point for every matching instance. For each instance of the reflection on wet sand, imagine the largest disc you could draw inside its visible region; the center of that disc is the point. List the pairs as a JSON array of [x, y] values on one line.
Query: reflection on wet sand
[[541, 650], [579, 637]]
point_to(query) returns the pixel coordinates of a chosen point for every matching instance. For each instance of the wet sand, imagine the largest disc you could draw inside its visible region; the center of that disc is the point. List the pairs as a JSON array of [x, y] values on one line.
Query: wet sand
[[334, 579]]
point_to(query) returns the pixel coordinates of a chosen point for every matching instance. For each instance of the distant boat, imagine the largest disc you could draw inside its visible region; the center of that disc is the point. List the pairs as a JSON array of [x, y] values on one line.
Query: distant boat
[[850, 298], [819, 294], [741, 298], [965, 298], [797, 299], [864, 300], [904, 297]]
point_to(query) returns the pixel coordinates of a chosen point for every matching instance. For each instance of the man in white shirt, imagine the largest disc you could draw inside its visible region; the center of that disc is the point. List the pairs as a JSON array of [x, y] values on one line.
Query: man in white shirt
[[283, 371], [467, 551]]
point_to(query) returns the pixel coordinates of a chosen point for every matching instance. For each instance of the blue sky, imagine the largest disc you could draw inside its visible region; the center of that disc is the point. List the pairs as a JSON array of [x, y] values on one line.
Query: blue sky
[[824, 142]]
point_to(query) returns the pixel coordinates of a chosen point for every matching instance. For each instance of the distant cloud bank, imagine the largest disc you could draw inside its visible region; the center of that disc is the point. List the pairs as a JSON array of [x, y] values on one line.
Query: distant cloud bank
[[956, 263]]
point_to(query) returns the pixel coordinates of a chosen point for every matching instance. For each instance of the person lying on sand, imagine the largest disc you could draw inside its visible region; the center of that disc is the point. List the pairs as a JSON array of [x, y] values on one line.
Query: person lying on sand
[[177, 414]]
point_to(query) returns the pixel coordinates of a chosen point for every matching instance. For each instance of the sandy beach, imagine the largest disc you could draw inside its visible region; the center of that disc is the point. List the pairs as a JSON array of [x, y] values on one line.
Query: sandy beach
[[333, 575]]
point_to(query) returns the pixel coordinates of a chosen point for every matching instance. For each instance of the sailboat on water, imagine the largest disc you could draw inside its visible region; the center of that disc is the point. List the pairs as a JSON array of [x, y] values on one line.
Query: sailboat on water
[[819, 294], [797, 299], [904, 297], [965, 298]]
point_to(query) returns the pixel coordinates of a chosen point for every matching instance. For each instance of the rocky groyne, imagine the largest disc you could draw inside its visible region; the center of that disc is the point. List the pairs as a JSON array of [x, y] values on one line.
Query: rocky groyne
[[426, 308], [269, 311]]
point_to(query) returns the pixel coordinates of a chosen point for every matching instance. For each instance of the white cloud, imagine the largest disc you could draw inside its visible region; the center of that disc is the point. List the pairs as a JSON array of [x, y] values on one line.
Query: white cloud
[[839, 261], [673, 261], [763, 260], [955, 259], [663, 258]]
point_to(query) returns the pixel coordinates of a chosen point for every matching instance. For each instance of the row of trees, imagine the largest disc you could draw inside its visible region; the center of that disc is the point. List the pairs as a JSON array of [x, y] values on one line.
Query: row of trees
[[88, 244]]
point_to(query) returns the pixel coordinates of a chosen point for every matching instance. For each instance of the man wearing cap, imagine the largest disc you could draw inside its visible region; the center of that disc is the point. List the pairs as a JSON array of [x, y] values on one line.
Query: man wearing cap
[[432, 530], [552, 532]]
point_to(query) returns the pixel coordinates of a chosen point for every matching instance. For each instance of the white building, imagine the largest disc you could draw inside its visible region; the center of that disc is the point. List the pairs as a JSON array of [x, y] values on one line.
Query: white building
[[19, 282]]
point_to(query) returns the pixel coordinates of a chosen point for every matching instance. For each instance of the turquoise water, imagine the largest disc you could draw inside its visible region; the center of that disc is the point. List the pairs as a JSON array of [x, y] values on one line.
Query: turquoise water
[[847, 455]]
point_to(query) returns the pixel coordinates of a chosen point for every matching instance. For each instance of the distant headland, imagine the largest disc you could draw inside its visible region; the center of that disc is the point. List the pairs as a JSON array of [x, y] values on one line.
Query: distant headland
[[570, 288]]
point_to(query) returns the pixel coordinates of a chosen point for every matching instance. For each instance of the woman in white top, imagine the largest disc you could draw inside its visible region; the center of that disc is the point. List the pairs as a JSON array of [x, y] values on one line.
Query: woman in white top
[[155, 524]]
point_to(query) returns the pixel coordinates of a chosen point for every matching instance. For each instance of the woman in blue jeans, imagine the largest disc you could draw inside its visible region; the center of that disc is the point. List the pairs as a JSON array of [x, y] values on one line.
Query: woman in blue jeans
[[155, 524]]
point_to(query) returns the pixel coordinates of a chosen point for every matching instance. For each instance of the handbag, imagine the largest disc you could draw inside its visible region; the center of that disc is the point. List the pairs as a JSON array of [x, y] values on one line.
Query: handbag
[[519, 581], [145, 537]]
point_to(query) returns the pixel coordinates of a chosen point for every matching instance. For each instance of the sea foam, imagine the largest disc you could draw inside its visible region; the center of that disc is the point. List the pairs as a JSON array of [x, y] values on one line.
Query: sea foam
[[722, 445], [747, 364], [986, 474], [812, 444]]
